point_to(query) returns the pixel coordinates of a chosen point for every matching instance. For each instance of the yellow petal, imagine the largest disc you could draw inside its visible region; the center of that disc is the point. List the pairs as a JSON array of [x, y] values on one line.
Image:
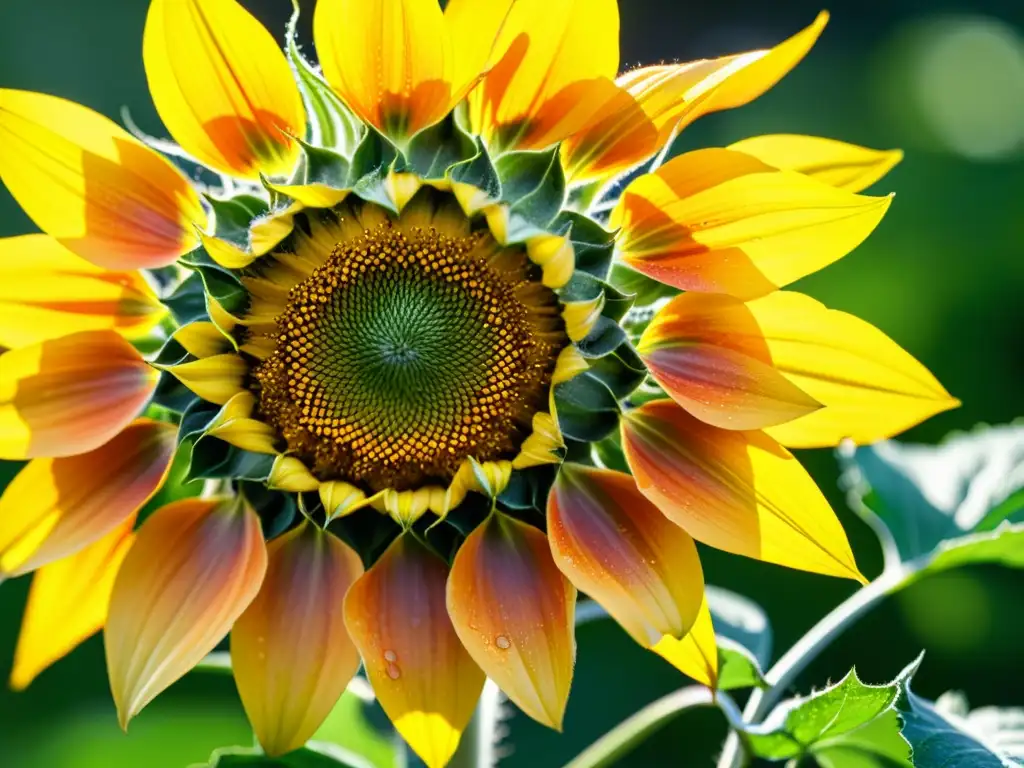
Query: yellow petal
[[70, 395], [46, 291], [709, 354], [423, 677], [222, 86], [831, 162], [735, 490], [216, 379], [618, 548], [552, 67], [719, 221], [473, 28], [234, 425], [390, 60], [194, 568], [290, 653], [871, 388], [290, 474], [695, 655], [68, 603], [56, 507], [202, 339], [515, 612], [92, 186]]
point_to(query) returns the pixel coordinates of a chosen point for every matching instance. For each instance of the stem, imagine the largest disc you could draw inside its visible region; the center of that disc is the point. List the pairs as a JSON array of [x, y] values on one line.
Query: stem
[[627, 734], [784, 672]]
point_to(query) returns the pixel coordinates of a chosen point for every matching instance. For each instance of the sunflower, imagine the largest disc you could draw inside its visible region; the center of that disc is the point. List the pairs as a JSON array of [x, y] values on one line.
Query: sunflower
[[433, 338]]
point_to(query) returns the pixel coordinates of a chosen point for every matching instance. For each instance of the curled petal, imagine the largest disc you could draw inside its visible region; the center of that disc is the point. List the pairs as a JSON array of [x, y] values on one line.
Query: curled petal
[[390, 60], [291, 655], [70, 395], [194, 568], [222, 86], [424, 679], [514, 611], [617, 547], [547, 80], [696, 654], [92, 186], [709, 354], [46, 291], [735, 490], [68, 603], [719, 221], [216, 379], [831, 162], [55, 507]]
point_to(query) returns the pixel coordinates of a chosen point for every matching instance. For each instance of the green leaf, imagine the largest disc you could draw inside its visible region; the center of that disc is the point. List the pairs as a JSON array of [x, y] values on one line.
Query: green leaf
[[876, 745], [311, 756], [797, 726], [533, 185], [435, 149], [737, 667], [939, 507]]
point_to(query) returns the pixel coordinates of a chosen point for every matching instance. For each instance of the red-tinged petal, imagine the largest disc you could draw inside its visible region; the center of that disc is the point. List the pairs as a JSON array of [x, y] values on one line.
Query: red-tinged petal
[[735, 490], [719, 221], [290, 653], [618, 548], [46, 292], [549, 79], [68, 603], [515, 612], [222, 86], [423, 678], [695, 655], [70, 395], [91, 185], [194, 568], [55, 507], [709, 354]]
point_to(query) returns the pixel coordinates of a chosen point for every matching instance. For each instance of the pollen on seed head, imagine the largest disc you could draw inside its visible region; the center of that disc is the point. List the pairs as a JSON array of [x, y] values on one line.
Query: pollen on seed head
[[405, 352]]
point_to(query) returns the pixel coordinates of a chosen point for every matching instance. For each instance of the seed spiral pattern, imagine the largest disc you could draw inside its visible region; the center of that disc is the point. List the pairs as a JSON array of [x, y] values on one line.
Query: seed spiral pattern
[[406, 352]]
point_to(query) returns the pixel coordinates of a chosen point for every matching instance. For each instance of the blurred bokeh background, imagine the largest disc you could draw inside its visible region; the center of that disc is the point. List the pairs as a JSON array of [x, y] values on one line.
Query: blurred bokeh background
[[943, 275]]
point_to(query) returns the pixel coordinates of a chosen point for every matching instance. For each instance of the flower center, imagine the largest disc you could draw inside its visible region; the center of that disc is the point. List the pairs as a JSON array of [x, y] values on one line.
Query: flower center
[[408, 350]]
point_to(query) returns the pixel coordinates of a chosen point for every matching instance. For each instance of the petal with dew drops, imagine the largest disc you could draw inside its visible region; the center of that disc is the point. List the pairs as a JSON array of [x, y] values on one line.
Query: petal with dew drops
[[91, 185], [390, 60], [870, 387], [739, 491], [423, 678], [46, 292], [70, 395], [194, 568], [696, 654], [548, 78], [831, 162], [515, 613], [290, 652], [223, 87], [720, 221], [68, 603], [708, 353], [55, 507], [617, 547]]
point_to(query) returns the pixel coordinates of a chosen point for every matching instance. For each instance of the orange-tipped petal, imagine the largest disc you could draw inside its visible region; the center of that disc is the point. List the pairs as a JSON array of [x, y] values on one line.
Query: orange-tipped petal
[[709, 354], [46, 291], [695, 655], [831, 162], [390, 60], [93, 186], [719, 221], [553, 65], [70, 395], [222, 86], [735, 490], [423, 678], [617, 547], [55, 507], [870, 387], [515, 612], [291, 655], [68, 603], [194, 568]]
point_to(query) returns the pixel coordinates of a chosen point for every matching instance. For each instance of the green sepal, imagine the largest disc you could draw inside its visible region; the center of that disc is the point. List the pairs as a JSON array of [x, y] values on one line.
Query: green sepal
[[609, 452], [621, 370], [187, 302], [616, 303], [233, 217], [645, 289], [373, 159], [592, 243], [276, 510], [478, 171], [322, 166], [171, 393], [218, 283], [582, 286], [587, 409], [196, 418], [367, 531], [434, 150], [215, 459], [605, 337], [533, 185], [171, 353], [528, 488]]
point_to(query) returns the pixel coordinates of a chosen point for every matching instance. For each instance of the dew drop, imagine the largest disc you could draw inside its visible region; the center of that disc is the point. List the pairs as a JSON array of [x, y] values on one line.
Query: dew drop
[[502, 642], [393, 671], [390, 656]]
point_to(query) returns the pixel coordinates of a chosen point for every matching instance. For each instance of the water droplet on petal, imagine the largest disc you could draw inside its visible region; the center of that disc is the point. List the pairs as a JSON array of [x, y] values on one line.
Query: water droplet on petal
[[393, 671], [502, 642], [390, 656]]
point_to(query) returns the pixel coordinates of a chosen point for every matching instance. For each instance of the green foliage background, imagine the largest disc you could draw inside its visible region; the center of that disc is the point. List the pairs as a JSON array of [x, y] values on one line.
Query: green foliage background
[[943, 275]]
